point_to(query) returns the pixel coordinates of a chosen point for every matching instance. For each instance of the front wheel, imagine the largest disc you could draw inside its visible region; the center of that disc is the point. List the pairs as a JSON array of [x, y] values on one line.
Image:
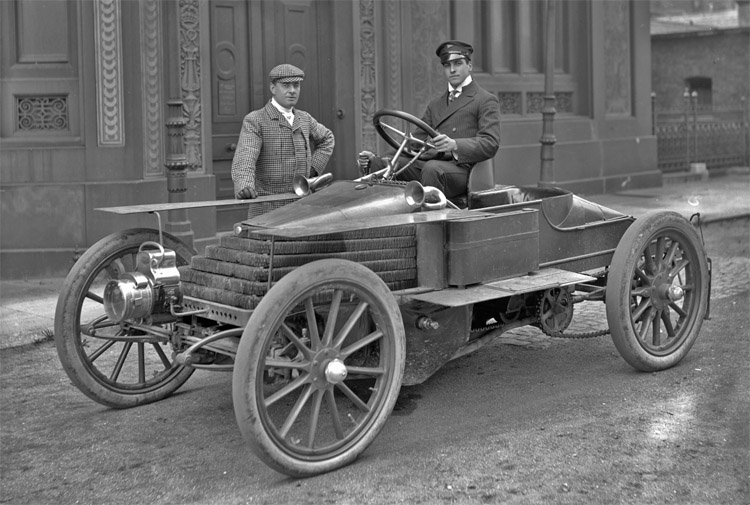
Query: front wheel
[[319, 367], [657, 291], [114, 365]]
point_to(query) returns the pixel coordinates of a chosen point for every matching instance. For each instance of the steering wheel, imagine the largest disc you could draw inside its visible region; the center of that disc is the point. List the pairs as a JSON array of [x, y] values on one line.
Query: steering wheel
[[403, 141]]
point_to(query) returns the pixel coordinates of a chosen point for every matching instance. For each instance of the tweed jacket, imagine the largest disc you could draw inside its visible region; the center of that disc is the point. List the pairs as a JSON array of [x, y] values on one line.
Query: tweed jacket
[[270, 152], [472, 120]]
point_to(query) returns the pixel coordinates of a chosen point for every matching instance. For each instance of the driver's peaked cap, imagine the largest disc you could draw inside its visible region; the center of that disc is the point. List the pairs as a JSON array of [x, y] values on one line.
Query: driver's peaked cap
[[453, 49]]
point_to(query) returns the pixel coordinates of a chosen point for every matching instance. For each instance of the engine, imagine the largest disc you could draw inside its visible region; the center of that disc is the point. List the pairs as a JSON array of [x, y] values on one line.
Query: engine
[[151, 290]]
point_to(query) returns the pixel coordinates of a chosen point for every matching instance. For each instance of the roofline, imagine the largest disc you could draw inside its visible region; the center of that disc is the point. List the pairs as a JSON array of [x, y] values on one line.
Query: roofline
[[708, 32]]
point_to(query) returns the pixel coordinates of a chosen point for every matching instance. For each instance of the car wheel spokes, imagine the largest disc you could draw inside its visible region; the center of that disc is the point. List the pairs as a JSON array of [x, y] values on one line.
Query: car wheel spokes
[[313, 398], [107, 348], [661, 292]]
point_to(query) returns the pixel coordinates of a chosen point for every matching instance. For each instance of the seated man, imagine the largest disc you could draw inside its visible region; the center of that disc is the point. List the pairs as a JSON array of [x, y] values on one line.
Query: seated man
[[467, 119]]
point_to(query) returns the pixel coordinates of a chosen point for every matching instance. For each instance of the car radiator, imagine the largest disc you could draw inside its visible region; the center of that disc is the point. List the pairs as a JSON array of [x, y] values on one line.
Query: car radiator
[[239, 271]]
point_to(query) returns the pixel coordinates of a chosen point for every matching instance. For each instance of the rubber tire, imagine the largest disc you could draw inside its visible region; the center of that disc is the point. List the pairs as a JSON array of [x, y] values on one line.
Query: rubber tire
[[248, 375], [647, 229], [73, 353]]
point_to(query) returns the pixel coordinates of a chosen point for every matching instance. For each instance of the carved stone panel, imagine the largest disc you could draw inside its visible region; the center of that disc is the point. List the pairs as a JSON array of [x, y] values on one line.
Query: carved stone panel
[[368, 73], [109, 92], [190, 80], [41, 113], [618, 72], [151, 86]]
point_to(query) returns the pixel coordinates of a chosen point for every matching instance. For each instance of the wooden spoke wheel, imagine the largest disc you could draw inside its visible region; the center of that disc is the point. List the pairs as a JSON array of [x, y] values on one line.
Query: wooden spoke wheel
[[319, 367], [657, 291], [111, 363]]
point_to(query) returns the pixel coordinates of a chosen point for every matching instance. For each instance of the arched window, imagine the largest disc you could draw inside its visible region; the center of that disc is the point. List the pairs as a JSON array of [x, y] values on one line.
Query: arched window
[[702, 86]]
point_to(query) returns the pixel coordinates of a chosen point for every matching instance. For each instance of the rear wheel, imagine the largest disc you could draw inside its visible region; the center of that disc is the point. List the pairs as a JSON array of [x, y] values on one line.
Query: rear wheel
[[112, 365], [657, 291], [319, 367]]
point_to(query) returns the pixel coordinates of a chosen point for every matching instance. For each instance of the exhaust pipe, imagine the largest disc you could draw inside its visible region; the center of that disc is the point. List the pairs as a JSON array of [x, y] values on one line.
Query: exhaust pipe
[[304, 186]]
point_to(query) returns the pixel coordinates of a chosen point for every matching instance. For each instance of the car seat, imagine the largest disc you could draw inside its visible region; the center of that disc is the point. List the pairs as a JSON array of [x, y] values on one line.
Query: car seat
[[481, 177]]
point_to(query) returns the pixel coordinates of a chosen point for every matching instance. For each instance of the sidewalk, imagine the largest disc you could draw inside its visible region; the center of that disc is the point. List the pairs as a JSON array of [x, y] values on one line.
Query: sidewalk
[[27, 307]]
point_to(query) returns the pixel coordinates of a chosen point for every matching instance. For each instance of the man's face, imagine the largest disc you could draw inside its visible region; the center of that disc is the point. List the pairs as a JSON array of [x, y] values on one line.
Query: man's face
[[286, 93], [457, 70]]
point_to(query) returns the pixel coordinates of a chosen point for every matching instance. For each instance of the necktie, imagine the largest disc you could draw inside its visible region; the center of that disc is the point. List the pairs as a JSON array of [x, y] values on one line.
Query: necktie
[[452, 95]]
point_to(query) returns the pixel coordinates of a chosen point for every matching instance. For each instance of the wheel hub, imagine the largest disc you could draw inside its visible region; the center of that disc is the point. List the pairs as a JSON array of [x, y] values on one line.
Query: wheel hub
[[327, 369], [335, 371], [664, 292], [675, 293]]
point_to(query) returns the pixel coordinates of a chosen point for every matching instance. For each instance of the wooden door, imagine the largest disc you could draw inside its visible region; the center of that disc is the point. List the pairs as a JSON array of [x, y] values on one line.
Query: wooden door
[[247, 40], [230, 95]]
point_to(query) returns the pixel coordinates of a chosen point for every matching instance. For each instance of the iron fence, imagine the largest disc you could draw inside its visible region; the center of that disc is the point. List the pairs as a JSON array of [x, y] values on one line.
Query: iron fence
[[696, 133]]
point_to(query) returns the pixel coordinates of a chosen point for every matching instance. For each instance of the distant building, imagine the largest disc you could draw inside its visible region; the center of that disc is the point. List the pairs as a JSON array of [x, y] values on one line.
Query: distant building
[[705, 52]]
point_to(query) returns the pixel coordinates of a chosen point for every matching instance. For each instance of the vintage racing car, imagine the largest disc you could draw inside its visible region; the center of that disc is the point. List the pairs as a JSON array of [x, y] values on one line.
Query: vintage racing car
[[322, 309]]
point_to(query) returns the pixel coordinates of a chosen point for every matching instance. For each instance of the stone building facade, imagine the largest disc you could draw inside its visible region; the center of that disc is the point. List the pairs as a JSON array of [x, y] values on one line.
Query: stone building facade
[[90, 89]]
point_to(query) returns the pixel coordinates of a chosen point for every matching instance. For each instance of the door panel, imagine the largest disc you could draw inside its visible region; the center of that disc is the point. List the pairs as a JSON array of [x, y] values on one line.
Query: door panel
[[230, 93]]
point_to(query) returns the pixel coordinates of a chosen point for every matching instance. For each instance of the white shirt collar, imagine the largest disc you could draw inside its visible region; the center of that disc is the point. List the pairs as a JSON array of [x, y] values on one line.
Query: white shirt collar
[[461, 86], [287, 113]]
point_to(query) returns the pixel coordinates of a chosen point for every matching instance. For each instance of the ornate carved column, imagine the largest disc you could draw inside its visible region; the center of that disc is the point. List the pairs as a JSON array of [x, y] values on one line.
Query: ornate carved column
[[368, 73], [190, 80]]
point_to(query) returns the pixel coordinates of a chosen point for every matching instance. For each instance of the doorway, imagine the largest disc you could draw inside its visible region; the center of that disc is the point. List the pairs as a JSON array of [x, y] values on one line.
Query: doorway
[[247, 40]]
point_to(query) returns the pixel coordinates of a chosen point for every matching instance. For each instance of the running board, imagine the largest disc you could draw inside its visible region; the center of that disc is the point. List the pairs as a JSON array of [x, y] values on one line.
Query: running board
[[547, 278]]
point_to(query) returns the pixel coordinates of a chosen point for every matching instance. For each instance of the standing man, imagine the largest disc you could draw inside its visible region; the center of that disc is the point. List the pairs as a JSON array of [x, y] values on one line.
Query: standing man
[[277, 142], [467, 119]]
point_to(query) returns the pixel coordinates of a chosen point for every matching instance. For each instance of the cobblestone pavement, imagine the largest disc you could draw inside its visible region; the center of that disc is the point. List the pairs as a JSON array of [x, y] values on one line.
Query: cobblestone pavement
[[730, 276]]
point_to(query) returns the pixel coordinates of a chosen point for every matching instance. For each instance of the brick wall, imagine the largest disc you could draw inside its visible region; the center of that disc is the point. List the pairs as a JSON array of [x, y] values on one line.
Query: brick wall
[[722, 56]]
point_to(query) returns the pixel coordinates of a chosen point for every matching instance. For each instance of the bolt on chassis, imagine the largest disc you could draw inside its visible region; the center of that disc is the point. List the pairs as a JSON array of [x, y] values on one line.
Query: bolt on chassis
[[323, 308]]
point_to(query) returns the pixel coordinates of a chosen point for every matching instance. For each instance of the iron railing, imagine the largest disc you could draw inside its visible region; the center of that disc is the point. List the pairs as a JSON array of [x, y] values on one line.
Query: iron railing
[[695, 133]]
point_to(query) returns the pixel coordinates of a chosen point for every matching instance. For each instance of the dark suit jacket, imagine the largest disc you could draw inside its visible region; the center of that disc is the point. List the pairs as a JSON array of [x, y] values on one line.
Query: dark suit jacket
[[472, 120]]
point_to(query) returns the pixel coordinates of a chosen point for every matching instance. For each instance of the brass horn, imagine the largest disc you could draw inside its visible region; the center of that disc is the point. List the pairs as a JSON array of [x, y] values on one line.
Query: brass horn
[[417, 195], [414, 194], [303, 186]]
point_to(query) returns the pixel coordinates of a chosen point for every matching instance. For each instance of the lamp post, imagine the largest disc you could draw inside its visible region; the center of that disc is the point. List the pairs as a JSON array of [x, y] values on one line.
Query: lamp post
[[548, 139], [694, 103], [178, 223], [746, 128], [686, 104]]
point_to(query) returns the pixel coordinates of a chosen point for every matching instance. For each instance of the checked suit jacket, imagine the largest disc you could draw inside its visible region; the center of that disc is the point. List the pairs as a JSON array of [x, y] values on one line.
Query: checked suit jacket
[[270, 152]]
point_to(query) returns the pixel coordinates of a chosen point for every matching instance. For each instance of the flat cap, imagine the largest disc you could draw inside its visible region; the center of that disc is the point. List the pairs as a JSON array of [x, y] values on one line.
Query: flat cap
[[452, 49], [286, 73]]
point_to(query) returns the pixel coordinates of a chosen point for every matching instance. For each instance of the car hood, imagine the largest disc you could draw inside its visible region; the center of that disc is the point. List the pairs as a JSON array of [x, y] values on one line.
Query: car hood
[[342, 200]]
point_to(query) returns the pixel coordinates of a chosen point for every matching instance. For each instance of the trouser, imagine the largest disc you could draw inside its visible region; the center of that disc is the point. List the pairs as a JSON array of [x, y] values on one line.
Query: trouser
[[446, 176]]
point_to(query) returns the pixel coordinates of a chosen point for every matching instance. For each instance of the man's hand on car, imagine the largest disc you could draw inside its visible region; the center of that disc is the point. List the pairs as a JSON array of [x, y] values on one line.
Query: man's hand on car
[[247, 193]]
